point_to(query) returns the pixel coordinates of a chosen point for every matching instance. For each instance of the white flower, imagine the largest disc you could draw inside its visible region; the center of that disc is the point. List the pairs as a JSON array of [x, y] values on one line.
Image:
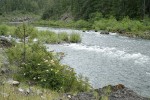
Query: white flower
[[24, 74], [47, 70], [57, 71], [46, 61], [52, 61], [39, 77], [38, 64], [34, 78]]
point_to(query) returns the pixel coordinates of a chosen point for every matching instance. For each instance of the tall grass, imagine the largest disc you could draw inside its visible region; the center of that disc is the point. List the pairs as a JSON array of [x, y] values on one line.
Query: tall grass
[[56, 38], [63, 37], [75, 38], [6, 30], [8, 92]]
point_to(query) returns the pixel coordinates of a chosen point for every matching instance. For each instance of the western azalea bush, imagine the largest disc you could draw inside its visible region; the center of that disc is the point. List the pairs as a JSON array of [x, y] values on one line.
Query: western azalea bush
[[44, 69]]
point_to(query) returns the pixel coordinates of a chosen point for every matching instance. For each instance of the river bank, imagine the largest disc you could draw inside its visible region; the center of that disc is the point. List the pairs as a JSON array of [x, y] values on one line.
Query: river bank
[[125, 27], [94, 44]]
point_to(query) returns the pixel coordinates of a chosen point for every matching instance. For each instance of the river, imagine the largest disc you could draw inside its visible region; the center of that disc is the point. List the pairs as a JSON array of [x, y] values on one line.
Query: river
[[108, 59]]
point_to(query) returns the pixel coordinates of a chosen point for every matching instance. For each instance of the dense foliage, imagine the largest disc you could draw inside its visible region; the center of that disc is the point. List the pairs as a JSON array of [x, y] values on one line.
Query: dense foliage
[[34, 6], [85, 9], [44, 69]]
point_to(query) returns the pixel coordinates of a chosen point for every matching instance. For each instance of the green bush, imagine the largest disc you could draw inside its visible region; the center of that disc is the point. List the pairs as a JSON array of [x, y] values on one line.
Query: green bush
[[95, 16], [82, 24], [3, 29], [75, 38], [63, 37], [44, 69], [48, 37], [125, 24]]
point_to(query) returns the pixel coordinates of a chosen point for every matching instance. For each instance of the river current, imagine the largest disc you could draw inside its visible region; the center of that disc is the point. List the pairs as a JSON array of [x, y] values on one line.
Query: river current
[[108, 59]]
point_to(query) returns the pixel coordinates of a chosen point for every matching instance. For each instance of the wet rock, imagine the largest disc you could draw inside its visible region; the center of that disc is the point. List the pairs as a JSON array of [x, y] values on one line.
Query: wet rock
[[119, 92], [125, 94], [95, 30], [122, 31], [104, 32]]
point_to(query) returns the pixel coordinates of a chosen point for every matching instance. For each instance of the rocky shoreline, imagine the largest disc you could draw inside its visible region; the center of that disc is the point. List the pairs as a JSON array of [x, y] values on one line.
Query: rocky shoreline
[[117, 92]]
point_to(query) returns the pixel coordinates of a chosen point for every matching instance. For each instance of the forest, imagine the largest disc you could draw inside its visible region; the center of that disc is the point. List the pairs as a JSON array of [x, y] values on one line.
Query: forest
[[78, 9]]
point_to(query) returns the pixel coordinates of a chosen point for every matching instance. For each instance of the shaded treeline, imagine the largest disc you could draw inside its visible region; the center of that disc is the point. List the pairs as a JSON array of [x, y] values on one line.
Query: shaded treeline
[[79, 9]]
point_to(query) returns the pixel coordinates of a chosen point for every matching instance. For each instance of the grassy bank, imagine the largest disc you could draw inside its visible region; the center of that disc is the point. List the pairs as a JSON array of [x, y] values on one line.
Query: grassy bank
[[9, 92], [57, 38], [80, 24], [42, 36], [126, 26]]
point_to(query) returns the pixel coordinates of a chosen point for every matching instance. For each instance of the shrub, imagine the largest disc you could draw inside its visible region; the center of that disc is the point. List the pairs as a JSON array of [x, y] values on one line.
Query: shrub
[[95, 16], [3, 29], [82, 24], [63, 37], [75, 38], [44, 69]]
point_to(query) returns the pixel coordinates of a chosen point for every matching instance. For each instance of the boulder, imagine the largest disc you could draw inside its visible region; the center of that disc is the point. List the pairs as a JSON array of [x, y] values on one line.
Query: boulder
[[96, 30], [104, 32], [119, 92], [122, 31], [14, 83]]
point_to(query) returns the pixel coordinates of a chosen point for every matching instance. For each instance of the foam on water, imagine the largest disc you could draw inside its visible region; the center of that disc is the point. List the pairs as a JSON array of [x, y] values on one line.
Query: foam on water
[[148, 73], [112, 52]]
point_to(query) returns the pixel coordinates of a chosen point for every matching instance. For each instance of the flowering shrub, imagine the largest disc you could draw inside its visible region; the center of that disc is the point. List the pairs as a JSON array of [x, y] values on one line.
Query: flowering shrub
[[44, 69]]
